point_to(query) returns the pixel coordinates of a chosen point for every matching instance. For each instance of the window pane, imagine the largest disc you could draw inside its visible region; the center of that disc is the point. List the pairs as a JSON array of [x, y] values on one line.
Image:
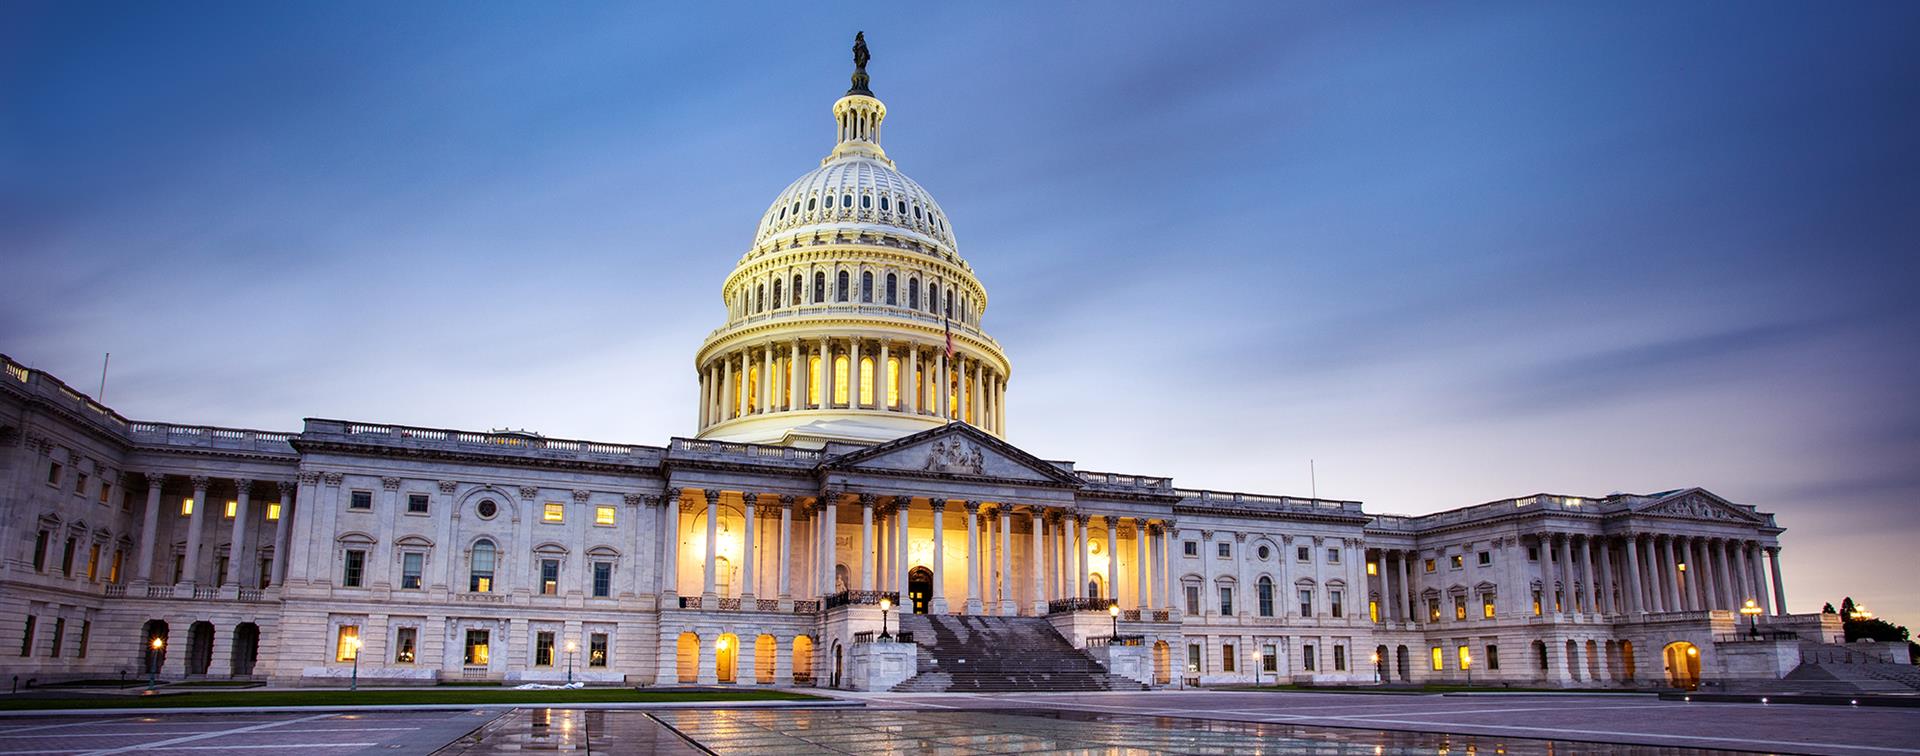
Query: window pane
[[554, 512], [603, 515]]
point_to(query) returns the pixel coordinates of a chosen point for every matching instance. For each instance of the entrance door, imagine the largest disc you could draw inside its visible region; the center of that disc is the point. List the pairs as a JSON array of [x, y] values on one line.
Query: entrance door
[[919, 588], [1682, 660]]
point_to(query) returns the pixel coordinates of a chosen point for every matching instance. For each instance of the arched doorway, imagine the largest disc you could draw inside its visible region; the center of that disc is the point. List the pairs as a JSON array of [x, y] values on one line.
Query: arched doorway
[[1162, 663], [199, 647], [1381, 658], [1682, 660], [151, 659], [802, 660], [246, 649], [687, 659], [919, 588], [1573, 660], [1405, 664], [765, 651], [726, 651], [1093, 586], [835, 681], [1627, 665]]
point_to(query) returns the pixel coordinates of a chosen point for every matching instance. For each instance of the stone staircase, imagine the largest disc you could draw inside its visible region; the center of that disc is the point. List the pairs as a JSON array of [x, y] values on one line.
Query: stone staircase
[[975, 654], [1830, 667]]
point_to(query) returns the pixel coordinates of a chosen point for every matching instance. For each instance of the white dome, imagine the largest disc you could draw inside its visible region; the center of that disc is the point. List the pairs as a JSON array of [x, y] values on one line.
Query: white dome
[[856, 190]]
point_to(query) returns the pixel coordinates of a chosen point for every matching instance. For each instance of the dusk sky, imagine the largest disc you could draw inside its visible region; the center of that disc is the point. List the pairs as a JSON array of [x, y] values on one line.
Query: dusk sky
[[1452, 252]]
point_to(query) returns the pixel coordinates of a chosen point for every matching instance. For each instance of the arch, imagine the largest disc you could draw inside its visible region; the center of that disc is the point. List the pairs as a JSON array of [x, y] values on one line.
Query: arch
[[919, 588], [776, 293], [1403, 660], [687, 659], [726, 657], [840, 378], [1096, 585], [834, 681], [1594, 661], [842, 579], [797, 293], [913, 293], [893, 289], [1540, 657], [819, 287], [760, 298], [199, 647], [246, 649], [1264, 596], [1573, 659], [766, 653], [151, 659], [803, 660], [1682, 664], [1381, 658], [1162, 663], [503, 502]]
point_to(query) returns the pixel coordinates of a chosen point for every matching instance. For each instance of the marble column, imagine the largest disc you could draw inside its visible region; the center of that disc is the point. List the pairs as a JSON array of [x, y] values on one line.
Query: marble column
[[727, 404], [1166, 569], [670, 532], [938, 605], [785, 560], [1406, 588], [946, 381], [237, 538], [883, 378], [902, 509], [282, 534], [1756, 574], [1668, 572], [1113, 557], [709, 584], [866, 542], [750, 545], [1080, 553], [1607, 606], [1779, 587], [1005, 581], [823, 377], [794, 388], [195, 526], [831, 550], [706, 401], [1142, 586], [1635, 604], [150, 530], [1036, 561]]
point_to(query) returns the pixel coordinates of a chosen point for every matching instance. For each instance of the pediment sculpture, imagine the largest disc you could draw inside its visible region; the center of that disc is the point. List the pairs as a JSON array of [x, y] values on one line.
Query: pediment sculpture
[[954, 456]]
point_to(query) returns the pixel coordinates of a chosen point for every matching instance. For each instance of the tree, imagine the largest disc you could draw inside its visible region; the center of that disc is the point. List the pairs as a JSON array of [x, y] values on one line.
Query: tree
[[1873, 628], [1828, 609]]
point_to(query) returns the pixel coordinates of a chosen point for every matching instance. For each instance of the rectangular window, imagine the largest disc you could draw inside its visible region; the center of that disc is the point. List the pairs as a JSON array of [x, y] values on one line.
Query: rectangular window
[[179, 567], [273, 512], [346, 645], [1533, 553], [1193, 653], [1306, 602], [66, 557], [219, 571], [86, 633], [1373, 610], [1439, 659], [1373, 568], [93, 562], [1334, 604], [1303, 554], [1456, 562], [1558, 597], [553, 512], [1190, 548], [1225, 550], [361, 500], [1193, 599], [597, 650], [1486, 605], [478, 651], [1265, 598], [1433, 610], [59, 636], [602, 579], [40, 550], [1226, 600], [1459, 608], [106, 492], [1308, 659], [1493, 657], [113, 567], [53, 479], [603, 515], [26, 639], [1269, 658], [1339, 658], [404, 639], [416, 503], [356, 564], [1486, 558], [232, 508], [543, 649], [266, 572], [1465, 658], [549, 577], [410, 565], [1428, 565], [1226, 657], [80, 483], [186, 507], [1536, 603], [1333, 556]]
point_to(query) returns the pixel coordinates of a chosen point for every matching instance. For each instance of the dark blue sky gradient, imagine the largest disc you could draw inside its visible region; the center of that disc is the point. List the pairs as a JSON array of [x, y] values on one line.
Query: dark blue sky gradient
[[1453, 252]]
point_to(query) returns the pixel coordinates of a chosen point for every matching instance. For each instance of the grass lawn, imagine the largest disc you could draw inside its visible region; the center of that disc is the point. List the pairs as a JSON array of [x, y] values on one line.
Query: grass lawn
[[460, 696]]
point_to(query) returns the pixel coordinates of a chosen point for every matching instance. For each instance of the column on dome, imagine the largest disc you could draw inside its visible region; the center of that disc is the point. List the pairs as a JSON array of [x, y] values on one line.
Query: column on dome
[[706, 402], [938, 605], [945, 381], [910, 398], [883, 377], [766, 379], [726, 388], [855, 389], [150, 529], [823, 375], [976, 409]]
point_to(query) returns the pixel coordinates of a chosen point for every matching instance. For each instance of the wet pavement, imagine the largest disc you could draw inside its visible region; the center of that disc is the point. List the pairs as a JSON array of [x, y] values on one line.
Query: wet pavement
[[240, 732]]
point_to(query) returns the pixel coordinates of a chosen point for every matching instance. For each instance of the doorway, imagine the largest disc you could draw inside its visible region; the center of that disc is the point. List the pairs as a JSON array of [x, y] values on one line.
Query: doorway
[[1682, 660], [199, 647], [246, 649], [919, 588]]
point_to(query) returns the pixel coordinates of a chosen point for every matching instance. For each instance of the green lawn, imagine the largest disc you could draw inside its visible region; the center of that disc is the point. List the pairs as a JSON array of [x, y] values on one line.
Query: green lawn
[[460, 696]]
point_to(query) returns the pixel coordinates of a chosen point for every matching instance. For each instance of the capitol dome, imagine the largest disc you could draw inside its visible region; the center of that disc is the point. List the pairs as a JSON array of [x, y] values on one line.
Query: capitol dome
[[849, 307]]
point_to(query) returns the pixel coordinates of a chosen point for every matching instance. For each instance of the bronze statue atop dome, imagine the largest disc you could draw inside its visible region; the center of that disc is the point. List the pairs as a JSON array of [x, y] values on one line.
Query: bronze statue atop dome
[[860, 58]]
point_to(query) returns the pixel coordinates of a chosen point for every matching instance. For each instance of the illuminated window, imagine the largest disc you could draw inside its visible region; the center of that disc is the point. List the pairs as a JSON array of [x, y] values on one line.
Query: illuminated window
[[1373, 610], [1536, 603], [1373, 568], [477, 653], [93, 562], [543, 649], [105, 492], [603, 515], [1454, 561], [480, 568], [113, 568], [346, 645], [1459, 608], [753, 389], [554, 512], [186, 507], [233, 507], [1433, 610], [840, 379], [549, 577], [1486, 605], [866, 379], [893, 382], [410, 565], [404, 641], [1429, 565], [1439, 659], [1466, 658], [813, 386], [597, 644], [273, 512]]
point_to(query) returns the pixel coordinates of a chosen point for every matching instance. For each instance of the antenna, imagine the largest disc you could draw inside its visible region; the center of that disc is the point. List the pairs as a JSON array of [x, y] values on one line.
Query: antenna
[[1313, 478], [101, 395]]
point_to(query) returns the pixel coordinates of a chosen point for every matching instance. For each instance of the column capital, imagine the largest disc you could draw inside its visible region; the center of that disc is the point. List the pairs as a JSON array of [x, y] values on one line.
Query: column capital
[[1082, 518], [634, 499], [1110, 520], [527, 493], [672, 493], [390, 483], [581, 495], [200, 482], [830, 496], [243, 485], [159, 479], [285, 486], [867, 500], [449, 486], [750, 498], [938, 505], [786, 501], [1170, 525], [1772, 550], [713, 497]]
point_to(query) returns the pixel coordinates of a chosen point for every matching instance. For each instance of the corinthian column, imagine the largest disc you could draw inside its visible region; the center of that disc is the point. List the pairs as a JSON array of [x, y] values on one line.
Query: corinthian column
[[855, 391], [1005, 584], [1036, 564], [1083, 535], [150, 529], [866, 542], [750, 546], [974, 603], [939, 603], [1113, 557], [1779, 588], [1143, 588], [237, 539], [191, 575], [707, 593]]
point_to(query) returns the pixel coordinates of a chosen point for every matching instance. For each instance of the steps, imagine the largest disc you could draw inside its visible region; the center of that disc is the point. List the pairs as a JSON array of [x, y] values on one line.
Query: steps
[[976, 654], [1828, 667]]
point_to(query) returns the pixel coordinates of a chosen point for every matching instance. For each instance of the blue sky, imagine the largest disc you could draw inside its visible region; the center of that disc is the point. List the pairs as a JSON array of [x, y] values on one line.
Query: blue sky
[[1452, 252]]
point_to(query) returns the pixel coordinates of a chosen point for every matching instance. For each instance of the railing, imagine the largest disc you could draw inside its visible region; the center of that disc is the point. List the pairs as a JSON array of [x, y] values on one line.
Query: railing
[[159, 591], [1099, 641], [1229, 499], [208, 437], [205, 592], [747, 450], [803, 679], [1130, 615], [252, 594], [1078, 604], [495, 440], [846, 598], [1128, 481], [1757, 637], [116, 590], [766, 605], [729, 604], [808, 606], [867, 636], [864, 636], [689, 602]]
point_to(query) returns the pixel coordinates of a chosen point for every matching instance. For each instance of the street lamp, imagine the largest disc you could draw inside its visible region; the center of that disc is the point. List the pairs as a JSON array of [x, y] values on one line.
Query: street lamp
[[355, 644], [571, 647], [1466, 662], [1859, 613], [1113, 610], [153, 670], [885, 604], [1376, 667], [1752, 610]]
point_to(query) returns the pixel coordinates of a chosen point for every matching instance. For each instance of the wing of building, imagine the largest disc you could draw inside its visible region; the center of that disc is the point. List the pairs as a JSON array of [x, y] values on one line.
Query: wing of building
[[849, 487]]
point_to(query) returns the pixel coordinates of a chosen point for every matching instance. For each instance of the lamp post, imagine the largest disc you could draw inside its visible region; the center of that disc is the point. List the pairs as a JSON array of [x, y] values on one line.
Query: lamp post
[[1376, 667], [153, 670], [885, 604], [1752, 610], [1466, 662], [355, 683], [1113, 610], [571, 647], [1859, 613]]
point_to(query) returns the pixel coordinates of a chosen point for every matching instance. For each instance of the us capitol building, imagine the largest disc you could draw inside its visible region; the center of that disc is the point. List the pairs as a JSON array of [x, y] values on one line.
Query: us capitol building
[[851, 450]]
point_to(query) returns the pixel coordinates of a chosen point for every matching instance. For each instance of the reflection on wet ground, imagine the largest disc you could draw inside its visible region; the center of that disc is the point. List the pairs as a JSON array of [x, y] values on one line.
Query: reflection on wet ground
[[854, 731]]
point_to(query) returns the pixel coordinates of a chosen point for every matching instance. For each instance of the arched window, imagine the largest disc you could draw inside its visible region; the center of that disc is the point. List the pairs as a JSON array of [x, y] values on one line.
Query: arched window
[[760, 298], [893, 382], [949, 303], [913, 293], [840, 378], [893, 287], [1266, 596], [776, 293], [866, 202], [866, 287], [813, 386], [840, 287], [933, 298], [810, 205], [866, 379], [846, 200], [883, 205], [819, 288], [753, 389], [480, 568], [782, 215], [798, 287]]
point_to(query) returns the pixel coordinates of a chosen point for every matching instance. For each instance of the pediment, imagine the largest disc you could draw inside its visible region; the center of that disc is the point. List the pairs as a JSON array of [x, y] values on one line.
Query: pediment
[[1699, 504], [956, 450]]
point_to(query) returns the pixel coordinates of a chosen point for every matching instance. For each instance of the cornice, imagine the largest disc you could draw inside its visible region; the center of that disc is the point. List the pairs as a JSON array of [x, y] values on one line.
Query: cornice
[[308, 446]]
